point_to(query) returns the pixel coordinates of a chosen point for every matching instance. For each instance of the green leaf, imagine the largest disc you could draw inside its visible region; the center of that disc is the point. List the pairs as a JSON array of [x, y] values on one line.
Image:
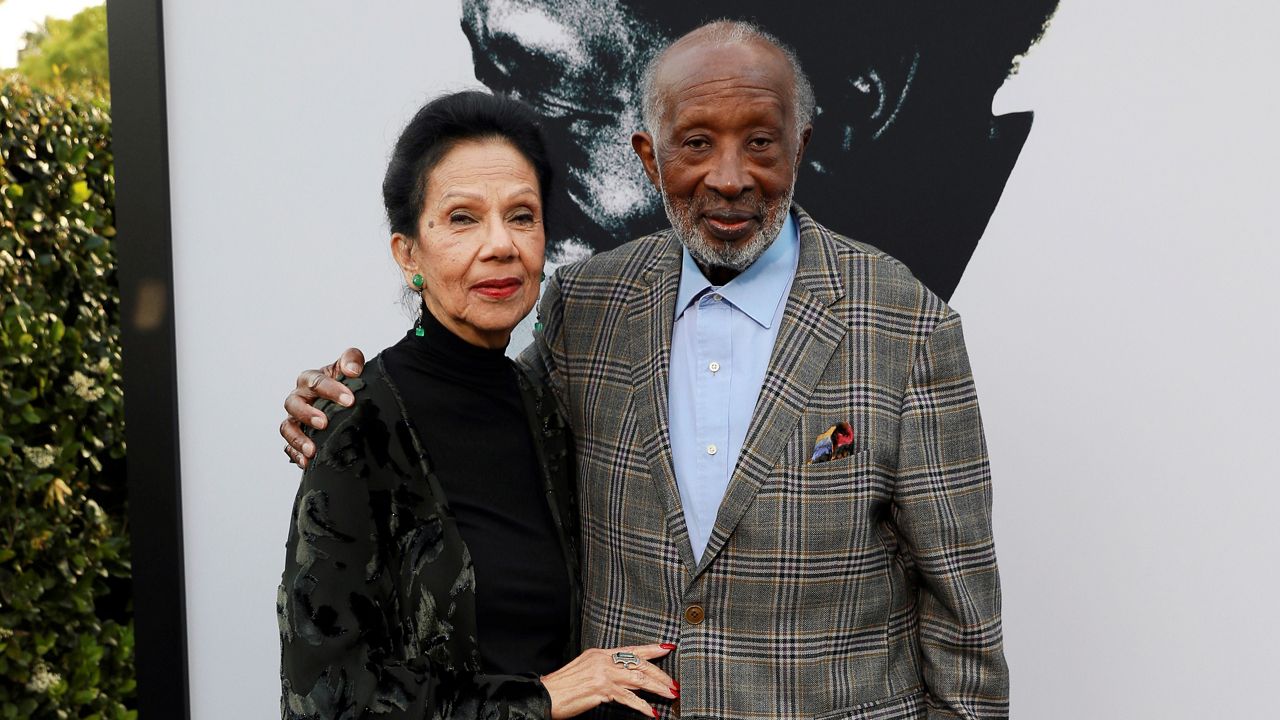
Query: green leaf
[[14, 192], [18, 397], [80, 192]]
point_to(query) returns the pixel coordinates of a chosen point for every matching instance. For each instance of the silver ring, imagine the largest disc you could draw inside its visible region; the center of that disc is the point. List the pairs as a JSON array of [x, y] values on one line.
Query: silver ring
[[629, 660]]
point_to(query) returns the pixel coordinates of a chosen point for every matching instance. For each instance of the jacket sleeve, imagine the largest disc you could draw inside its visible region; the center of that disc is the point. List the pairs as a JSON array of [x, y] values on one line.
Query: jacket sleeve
[[942, 509], [348, 648]]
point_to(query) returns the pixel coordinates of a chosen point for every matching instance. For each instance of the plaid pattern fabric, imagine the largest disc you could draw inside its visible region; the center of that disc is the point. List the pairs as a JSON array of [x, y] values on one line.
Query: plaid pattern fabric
[[863, 587]]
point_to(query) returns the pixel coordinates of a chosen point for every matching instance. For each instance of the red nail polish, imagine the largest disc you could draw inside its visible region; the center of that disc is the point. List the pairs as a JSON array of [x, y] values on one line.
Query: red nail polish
[[655, 713], [677, 682], [668, 646], [675, 690]]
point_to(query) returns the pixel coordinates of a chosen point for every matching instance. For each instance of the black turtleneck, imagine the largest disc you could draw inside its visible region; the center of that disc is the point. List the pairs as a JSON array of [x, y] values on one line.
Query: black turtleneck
[[467, 408]]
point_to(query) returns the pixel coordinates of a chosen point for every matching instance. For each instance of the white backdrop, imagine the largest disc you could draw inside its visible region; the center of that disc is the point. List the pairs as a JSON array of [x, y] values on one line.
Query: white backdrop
[[1120, 315]]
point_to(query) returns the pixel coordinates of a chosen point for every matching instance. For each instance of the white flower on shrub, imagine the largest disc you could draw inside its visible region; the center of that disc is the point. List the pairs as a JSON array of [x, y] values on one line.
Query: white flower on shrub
[[84, 387], [42, 679], [42, 457], [96, 514]]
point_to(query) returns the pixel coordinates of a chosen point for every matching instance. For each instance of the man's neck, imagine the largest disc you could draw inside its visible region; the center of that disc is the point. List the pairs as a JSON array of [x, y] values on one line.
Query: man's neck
[[718, 275]]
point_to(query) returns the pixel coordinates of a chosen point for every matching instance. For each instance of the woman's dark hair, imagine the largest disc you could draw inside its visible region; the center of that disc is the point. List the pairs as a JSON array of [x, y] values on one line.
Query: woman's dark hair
[[439, 126]]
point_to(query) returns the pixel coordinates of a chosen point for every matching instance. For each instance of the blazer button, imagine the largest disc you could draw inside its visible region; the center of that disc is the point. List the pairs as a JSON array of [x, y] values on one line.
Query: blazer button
[[694, 614]]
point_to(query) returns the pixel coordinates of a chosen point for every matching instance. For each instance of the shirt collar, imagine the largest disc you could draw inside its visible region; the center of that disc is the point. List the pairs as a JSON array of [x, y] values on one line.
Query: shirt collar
[[759, 289]]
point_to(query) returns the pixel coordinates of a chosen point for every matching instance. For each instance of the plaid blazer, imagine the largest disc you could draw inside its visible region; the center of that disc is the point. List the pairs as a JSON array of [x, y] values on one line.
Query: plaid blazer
[[863, 587]]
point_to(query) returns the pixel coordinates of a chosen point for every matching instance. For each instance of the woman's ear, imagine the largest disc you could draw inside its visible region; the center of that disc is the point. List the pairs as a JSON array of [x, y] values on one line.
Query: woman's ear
[[402, 250]]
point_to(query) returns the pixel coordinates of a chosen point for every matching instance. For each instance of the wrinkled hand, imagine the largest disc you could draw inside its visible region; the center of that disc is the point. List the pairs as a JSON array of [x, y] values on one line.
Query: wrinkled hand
[[593, 679], [300, 404]]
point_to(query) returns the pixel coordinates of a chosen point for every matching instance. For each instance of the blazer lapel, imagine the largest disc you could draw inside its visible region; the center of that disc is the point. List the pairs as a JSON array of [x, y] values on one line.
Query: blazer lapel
[[650, 319], [808, 336]]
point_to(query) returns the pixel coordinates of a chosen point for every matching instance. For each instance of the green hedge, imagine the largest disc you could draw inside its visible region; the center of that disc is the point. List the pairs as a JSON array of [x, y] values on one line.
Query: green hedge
[[66, 627]]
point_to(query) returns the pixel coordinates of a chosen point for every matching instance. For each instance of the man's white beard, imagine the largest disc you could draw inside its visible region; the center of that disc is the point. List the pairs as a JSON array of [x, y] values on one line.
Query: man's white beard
[[738, 256]]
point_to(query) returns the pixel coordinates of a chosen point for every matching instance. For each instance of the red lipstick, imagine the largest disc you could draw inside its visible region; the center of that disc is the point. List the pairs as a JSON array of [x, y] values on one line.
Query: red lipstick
[[498, 288]]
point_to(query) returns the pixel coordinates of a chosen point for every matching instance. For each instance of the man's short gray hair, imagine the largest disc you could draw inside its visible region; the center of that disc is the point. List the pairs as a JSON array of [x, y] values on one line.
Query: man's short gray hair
[[721, 33]]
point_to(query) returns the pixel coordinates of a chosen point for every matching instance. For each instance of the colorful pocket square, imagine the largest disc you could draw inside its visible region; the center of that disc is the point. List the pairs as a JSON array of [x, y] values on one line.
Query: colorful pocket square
[[835, 443]]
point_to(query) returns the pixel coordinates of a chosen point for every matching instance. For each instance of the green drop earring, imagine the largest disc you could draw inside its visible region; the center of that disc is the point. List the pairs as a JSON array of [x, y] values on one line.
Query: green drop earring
[[418, 282], [537, 324]]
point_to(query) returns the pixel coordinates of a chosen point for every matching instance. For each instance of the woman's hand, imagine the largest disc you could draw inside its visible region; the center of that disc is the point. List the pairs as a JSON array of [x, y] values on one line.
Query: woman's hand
[[593, 679]]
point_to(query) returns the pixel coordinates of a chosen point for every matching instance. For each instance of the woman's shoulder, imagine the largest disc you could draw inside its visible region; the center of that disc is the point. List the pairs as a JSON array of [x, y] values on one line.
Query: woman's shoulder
[[541, 402], [368, 423], [546, 415]]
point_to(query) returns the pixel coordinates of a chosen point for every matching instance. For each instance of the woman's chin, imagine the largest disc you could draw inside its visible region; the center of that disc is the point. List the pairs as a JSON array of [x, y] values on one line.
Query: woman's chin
[[496, 332]]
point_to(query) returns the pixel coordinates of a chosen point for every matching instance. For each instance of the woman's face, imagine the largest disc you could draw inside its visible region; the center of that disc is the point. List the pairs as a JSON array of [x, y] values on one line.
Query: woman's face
[[480, 241]]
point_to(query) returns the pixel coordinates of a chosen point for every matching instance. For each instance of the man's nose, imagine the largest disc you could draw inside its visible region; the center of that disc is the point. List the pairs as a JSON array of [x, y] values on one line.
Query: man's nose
[[728, 176]]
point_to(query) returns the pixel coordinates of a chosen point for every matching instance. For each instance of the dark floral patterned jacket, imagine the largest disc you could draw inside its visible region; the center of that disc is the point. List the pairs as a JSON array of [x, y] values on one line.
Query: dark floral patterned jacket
[[377, 603]]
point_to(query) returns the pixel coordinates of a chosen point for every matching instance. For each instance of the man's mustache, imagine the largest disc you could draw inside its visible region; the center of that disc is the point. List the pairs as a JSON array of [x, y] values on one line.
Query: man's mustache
[[743, 207]]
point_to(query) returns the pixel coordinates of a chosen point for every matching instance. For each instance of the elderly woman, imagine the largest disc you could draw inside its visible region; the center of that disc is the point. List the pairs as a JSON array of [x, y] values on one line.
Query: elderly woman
[[431, 569]]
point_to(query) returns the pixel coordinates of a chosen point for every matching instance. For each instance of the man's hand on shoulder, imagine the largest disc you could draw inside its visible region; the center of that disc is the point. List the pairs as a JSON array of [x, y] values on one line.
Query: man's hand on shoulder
[[313, 385]]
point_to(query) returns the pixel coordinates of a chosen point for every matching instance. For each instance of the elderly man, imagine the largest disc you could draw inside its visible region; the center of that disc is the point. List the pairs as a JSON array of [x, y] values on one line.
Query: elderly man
[[781, 460]]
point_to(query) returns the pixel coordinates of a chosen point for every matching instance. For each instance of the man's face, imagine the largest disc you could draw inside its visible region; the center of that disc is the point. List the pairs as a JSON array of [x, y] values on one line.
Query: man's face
[[727, 149]]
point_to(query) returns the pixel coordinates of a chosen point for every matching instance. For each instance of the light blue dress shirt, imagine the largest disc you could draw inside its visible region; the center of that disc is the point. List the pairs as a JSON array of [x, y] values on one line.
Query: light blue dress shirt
[[720, 349]]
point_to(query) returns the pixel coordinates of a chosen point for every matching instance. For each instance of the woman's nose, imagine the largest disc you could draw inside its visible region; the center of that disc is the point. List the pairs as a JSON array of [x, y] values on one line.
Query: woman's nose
[[499, 240]]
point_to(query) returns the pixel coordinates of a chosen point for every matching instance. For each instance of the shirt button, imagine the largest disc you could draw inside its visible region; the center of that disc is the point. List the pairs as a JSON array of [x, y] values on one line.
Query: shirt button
[[711, 449], [714, 366], [715, 297], [694, 614]]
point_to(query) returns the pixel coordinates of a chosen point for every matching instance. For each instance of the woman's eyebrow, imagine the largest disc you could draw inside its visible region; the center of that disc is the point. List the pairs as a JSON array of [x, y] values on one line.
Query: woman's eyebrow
[[465, 194], [472, 195]]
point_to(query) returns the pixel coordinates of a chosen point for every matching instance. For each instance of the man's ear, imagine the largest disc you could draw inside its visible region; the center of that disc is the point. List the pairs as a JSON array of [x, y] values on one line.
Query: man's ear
[[805, 134], [642, 143]]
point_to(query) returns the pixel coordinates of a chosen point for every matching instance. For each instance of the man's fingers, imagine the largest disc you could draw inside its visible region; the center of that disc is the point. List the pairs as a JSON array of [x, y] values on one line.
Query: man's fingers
[[295, 457], [333, 390], [314, 384], [351, 362], [299, 406], [296, 439]]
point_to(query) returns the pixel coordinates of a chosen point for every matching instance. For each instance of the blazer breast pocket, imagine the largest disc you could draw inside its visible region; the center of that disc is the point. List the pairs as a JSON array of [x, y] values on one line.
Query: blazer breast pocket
[[841, 501], [838, 472]]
